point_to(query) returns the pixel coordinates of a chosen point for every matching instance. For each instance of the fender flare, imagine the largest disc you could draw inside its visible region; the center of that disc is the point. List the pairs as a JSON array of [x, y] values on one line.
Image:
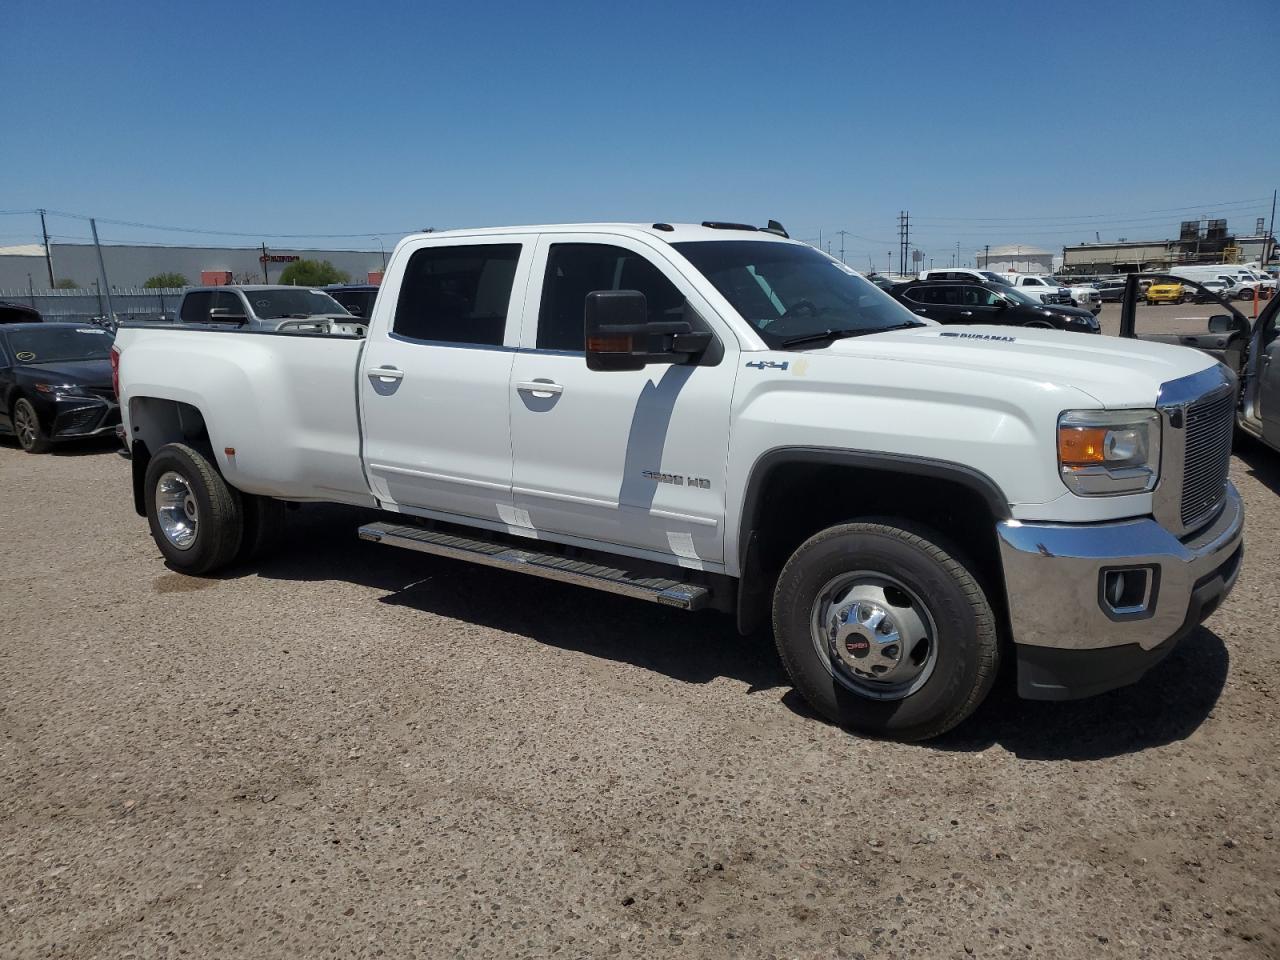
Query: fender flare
[[752, 611]]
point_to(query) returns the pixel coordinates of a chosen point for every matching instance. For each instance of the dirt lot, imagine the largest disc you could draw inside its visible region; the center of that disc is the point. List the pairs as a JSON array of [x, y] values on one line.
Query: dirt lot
[[355, 751]]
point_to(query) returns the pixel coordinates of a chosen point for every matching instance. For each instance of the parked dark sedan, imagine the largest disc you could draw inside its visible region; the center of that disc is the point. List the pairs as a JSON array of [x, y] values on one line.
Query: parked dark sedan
[[55, 383], [356, 297], [982, 301]]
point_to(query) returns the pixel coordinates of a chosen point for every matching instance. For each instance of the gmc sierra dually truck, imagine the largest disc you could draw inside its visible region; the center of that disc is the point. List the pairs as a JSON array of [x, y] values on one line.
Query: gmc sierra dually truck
[[718, 416]]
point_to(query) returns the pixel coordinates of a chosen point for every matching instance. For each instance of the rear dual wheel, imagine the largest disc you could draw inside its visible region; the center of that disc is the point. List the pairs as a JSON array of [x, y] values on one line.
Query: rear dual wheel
[[198, 520], [884, 630]]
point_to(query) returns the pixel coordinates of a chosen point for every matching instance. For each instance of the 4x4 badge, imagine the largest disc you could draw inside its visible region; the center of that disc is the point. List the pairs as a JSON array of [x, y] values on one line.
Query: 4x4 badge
[[768, 364]]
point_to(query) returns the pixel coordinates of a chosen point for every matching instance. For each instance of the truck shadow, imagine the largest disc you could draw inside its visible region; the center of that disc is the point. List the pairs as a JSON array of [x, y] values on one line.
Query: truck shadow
[[692, 648], [1262, 462], [1165, 706], [1168, 705]]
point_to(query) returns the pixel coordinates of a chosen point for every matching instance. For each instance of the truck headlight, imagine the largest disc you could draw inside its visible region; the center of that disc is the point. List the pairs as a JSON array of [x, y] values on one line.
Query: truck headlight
[[1103, 453]]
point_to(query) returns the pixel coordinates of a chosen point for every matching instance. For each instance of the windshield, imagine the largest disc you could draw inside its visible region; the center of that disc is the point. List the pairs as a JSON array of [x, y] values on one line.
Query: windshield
[[278, 304], [53, 344], [788, 290]]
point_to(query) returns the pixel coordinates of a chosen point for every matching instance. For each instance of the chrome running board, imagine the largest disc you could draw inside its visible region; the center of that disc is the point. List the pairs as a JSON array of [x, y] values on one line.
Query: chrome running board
[[671, 593]]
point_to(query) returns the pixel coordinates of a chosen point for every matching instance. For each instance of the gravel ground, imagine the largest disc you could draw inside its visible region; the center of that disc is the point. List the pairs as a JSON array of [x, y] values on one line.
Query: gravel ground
[[357, 751]]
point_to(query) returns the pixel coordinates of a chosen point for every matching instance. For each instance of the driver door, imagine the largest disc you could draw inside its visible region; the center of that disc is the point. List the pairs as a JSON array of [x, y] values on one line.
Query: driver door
[[631, 458], [1269, 380], [1190, 329]]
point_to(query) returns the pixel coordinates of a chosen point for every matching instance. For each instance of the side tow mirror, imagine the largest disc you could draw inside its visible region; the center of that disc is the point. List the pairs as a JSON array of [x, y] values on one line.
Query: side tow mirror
[[619, 336], [1225, 323], [224, 315]]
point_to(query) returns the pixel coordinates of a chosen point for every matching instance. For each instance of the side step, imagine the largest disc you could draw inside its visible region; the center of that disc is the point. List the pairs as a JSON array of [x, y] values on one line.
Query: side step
[[672, 593]]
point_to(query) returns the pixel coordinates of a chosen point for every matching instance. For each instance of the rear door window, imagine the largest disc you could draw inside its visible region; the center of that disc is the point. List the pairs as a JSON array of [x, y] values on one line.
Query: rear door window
[[457, 295]]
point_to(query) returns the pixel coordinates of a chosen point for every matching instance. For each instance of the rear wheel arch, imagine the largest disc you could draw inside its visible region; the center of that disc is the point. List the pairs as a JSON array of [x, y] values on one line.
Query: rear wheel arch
[[794, 492], [154, 422]]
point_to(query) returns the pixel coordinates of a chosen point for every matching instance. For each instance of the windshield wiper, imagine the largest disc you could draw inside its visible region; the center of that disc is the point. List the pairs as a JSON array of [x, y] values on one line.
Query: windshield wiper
[[841, 334], [817, 337]]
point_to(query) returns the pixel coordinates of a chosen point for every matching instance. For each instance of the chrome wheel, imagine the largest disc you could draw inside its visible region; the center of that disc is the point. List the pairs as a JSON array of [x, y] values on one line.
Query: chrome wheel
[[177, 510], [875, 636], [25, 424]]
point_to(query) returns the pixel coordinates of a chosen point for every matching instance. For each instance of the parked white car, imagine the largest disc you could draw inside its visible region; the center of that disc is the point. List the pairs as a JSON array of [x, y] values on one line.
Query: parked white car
[[717, 416]]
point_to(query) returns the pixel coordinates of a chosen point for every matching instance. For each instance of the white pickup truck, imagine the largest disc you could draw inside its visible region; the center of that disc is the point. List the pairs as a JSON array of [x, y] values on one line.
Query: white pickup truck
[[1046, 289], [718, 416]]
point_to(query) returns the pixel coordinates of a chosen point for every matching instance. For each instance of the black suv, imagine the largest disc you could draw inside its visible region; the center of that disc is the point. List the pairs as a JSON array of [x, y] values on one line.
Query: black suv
[[356, 297], [983, 301]]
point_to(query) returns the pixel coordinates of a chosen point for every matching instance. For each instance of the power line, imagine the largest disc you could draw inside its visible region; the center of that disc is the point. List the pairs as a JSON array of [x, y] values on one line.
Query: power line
[[231, 233], [1094, 216]]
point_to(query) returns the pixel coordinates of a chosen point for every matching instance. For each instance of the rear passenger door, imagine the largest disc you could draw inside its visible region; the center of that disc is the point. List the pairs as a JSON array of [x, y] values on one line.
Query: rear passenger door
[[943, 303], [634, 458], [435, 377]]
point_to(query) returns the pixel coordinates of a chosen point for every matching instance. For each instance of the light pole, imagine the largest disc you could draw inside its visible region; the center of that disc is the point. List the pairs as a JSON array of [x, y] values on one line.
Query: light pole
[[384, 254]]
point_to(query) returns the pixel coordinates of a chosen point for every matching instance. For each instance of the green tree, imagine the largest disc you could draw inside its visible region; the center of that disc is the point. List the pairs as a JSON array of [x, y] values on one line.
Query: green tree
[[166, 280], [66, 283], [313, 273]]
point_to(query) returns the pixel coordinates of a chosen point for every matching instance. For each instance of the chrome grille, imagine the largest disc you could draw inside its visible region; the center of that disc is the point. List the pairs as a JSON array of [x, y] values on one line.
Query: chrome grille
[[1207, 456]]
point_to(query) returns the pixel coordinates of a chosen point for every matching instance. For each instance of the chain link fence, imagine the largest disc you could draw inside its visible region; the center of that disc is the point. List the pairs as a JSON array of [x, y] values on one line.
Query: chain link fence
[[80, 306]]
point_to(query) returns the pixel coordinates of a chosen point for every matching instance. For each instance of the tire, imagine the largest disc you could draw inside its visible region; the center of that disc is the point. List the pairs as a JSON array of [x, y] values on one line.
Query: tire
[[27, 428], [201, 511], [897, 563], [263, 527]]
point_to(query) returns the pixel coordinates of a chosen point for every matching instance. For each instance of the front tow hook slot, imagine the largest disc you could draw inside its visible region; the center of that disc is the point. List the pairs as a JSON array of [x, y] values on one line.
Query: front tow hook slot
[[1128, 593]]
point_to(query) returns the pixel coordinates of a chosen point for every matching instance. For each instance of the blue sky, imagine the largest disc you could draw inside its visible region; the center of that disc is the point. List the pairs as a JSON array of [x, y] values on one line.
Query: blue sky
[[992, 123]]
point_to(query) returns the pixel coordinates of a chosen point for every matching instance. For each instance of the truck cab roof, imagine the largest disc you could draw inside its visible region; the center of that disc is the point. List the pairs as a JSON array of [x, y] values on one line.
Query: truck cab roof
[[667, 232]]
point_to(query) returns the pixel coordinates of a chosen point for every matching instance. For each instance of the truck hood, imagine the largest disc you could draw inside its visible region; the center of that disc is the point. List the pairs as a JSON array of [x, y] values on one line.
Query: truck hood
[[1115, 372]]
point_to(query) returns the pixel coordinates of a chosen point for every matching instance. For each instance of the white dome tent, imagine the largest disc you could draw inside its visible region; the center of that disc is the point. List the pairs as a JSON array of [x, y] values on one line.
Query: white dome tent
[[1015, 258]]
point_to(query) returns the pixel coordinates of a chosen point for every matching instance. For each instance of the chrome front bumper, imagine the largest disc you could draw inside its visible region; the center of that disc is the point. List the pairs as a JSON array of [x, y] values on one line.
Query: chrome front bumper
[[1054, 575]]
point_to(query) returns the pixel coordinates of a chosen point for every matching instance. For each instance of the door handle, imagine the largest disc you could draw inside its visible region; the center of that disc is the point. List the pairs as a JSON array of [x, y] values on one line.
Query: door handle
[[922, 312], [966, 313], [540, 388], [385, 373]]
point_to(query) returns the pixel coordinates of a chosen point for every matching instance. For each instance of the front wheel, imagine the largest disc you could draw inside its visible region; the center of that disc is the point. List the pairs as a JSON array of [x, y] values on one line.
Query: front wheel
[[195, 516], [26, 424], [884, 631]]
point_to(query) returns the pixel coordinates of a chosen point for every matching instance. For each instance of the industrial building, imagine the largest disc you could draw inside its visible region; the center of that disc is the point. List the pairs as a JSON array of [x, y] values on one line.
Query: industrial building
[[131, 265], [1199, 241]]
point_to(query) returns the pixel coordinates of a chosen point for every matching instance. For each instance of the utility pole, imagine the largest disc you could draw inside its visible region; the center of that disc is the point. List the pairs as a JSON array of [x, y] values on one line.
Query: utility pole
[[986, 257], [957, 253], [1271, 233], [49, 256], [264, 262], [102, 269], [842, 236], [904, 240]]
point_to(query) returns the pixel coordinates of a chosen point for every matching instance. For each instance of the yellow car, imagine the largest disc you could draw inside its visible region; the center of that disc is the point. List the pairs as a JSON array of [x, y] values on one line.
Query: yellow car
[[1166, 293]]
